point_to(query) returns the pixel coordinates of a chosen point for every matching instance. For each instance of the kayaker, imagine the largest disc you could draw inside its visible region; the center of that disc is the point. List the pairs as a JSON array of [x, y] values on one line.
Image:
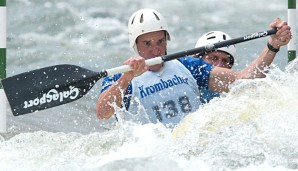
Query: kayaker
[[167, 92]]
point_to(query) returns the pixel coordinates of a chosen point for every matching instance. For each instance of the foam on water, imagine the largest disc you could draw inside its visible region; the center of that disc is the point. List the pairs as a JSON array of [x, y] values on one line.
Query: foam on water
[[254, 123], [252, 127]]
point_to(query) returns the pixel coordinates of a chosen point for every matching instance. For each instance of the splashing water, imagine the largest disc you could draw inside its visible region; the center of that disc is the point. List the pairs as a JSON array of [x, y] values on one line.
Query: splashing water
[[255, 123], [253, 127]]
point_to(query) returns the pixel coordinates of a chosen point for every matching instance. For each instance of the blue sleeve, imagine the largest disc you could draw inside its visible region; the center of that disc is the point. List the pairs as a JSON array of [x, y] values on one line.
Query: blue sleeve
[[109, 81], [207, 95], [199, 69]]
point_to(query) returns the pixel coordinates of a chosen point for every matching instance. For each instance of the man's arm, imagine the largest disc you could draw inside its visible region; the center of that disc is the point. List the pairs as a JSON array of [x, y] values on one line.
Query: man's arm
[[221, 78], [115, 93]]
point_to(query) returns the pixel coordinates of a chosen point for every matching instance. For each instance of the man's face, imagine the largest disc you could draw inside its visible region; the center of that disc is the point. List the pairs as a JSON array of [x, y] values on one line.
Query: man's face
[[152, 44], [218, 58]]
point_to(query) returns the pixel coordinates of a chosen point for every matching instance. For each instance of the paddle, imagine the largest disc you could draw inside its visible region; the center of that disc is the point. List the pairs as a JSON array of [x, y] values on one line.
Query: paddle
[[60, 84]]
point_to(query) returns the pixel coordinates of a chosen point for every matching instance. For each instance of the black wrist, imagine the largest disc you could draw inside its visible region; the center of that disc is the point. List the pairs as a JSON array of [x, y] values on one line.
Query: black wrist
[[271, 48]]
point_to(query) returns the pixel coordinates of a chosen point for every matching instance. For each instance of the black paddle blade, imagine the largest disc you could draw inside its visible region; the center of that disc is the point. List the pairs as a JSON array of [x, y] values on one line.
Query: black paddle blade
[[48, 87]]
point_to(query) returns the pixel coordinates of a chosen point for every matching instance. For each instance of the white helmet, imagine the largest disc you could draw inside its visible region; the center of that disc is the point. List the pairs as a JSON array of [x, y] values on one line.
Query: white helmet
[[215, 37], [144, 21]]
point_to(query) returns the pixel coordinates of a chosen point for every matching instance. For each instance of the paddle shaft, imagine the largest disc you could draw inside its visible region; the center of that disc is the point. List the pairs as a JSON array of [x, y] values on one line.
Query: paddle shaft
[[203, 49]]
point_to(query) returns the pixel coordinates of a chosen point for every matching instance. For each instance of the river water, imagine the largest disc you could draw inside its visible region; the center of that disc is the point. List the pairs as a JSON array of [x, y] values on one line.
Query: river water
[[253, 128]]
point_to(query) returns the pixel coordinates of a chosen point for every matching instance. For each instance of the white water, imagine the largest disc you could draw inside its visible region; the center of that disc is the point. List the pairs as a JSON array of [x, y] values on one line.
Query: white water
[[253, 128]]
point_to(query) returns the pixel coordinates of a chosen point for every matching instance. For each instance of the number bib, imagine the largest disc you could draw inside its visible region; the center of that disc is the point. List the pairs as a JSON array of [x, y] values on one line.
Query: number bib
[[165, 96]]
